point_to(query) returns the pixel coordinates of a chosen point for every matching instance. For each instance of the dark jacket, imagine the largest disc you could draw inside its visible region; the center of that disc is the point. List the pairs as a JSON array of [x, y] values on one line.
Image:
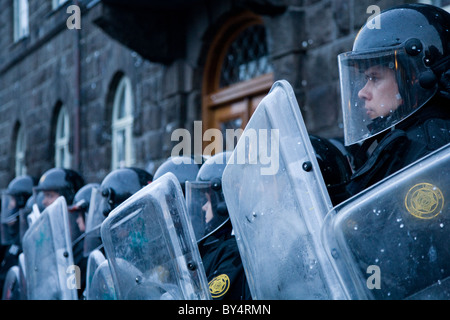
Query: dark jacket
[[223, 266]]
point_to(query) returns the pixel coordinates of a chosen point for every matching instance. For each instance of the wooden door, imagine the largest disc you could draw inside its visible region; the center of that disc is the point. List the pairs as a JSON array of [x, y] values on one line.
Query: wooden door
[[232, 91]]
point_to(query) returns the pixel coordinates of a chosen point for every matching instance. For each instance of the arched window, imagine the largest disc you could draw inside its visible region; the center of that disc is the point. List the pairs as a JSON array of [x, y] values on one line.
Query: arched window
[[238, 74], [122, 126], [62, 153], [20, 166]]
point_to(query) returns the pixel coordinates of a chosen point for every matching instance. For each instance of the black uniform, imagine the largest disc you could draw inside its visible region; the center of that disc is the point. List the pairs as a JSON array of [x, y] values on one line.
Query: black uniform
[[223, 266], [10, 259], [423, 132]]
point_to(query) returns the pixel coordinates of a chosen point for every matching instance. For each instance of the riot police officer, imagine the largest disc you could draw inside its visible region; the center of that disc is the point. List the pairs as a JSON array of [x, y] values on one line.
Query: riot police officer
[[115, 188], [212, 227], [395, 97], [13, 200], [77, 213], [395, 90], [57, 182]]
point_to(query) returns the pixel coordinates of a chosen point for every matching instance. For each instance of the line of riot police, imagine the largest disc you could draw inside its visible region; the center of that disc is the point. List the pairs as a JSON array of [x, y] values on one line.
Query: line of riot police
[[65, 239], [328, 224]]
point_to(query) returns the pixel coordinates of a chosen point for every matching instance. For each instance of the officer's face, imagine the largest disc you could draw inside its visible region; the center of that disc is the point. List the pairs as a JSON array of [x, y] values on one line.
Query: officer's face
[[49, 198], [207, 208], [80, 222], [380, 93], [12, 203]]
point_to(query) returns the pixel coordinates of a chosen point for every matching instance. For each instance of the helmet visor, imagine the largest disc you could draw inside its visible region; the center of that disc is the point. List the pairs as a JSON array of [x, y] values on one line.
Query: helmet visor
[[378, 90], [206, 208], [9, 220]]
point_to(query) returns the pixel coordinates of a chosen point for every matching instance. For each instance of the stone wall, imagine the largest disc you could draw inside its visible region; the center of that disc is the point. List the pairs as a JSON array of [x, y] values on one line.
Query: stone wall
[[39, 73]]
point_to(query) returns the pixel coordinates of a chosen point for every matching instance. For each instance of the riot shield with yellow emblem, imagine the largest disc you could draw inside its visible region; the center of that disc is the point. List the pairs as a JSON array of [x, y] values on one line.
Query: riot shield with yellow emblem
[[391, 240], [277, 199], [47, 250], [151, 247]]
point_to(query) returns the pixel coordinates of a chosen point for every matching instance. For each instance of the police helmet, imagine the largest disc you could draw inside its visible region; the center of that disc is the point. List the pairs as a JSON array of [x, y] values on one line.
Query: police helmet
[[184, 168], [66, 182], [115, 188], [204, 197], [120, 184], [408, 43], [14, 199]]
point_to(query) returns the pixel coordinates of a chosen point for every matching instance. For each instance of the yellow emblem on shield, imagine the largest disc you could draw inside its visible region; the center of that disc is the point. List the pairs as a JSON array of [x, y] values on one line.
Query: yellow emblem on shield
[[424, 201], [219, 286]]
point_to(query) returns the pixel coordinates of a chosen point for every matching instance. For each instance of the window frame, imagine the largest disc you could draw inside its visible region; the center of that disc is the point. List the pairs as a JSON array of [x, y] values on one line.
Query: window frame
[[20, 152], [122, 126], [21, 19]]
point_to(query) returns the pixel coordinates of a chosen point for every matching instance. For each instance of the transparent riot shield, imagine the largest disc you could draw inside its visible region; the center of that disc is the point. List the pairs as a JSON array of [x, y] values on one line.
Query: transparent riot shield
[[99, 283], [31, 209], [11, 287], [94, 219], [48, 255], [277, 200], [391, 240], [151, 247], [23, 277]]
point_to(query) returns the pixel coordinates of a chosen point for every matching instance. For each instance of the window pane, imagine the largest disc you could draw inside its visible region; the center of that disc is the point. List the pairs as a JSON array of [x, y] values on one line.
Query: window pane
[[20, 153], [62, 155], [246, 58], [121, 148], [122, 125], [21, 28], [121, 104]]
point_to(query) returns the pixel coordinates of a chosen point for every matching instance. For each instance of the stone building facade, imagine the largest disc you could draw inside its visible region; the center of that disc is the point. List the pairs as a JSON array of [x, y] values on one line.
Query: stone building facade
[[165, 50]]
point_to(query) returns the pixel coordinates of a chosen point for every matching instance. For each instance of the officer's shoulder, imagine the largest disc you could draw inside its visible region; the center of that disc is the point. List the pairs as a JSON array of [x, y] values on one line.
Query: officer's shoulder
[[437, 132]]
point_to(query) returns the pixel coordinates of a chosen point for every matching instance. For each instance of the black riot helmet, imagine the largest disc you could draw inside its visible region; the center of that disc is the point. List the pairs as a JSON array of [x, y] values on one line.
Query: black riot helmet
[[120, 184], [408, 43], [82, 198], [14, 199], [65, 182], [115, 188], [204, 197], [79, 208], [22, 188], [184, 168], [334, 166]]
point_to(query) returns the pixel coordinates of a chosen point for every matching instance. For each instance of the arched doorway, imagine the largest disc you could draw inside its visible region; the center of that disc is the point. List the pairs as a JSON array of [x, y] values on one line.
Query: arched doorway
[[238, 74]]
